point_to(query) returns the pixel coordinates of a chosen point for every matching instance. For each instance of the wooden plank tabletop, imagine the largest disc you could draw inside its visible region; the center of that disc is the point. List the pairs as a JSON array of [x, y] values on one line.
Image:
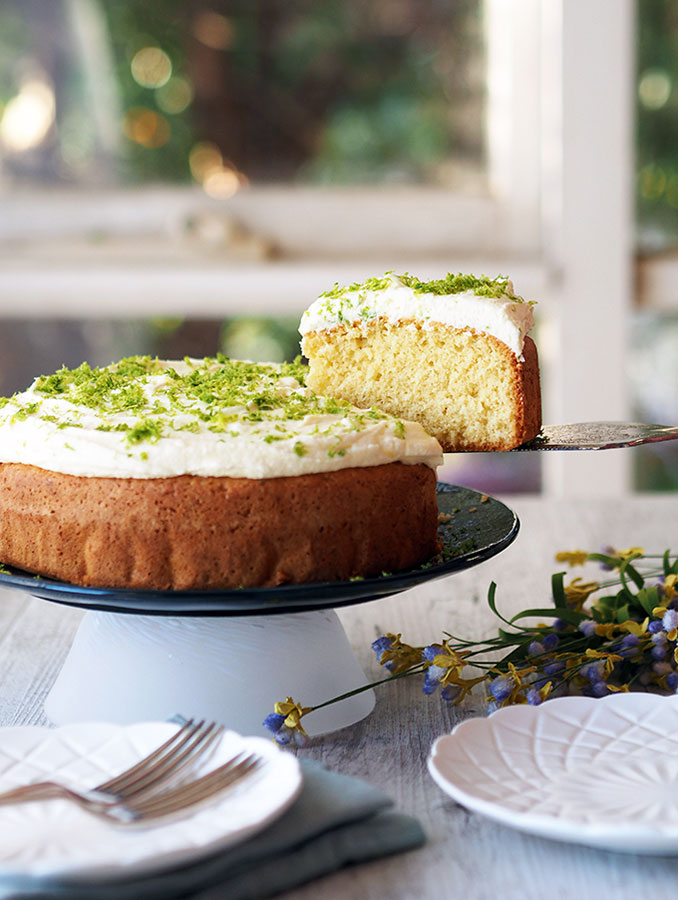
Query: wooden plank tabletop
[[465, 856]]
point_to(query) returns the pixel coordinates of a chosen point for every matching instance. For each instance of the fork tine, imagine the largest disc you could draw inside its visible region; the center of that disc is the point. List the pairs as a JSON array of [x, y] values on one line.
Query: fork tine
[[175, 759], [141, 791], [226, 775], [119, 780]]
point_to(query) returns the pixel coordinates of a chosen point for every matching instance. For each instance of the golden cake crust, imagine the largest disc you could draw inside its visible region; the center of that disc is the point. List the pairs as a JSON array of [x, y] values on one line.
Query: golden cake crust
[[191, 532]]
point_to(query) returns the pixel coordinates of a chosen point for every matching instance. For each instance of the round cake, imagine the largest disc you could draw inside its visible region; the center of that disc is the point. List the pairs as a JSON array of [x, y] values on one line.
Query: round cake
[[202, 474], [453, 354]]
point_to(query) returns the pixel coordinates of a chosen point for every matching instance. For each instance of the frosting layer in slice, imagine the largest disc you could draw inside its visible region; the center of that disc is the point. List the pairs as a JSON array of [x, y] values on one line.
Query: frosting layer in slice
[[461, 301]]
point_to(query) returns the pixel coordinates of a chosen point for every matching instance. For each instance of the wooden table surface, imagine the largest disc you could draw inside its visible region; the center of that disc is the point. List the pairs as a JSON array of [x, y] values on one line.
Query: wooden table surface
[[465, 856]]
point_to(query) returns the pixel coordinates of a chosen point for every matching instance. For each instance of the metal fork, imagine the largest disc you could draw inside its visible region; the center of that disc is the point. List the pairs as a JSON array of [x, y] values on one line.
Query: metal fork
[[179, 755], [184, 798], [157, 804]]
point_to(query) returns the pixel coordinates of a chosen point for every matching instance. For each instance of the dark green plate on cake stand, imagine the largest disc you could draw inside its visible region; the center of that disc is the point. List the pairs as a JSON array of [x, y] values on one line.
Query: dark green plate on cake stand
[[230, 655], [476, 527]]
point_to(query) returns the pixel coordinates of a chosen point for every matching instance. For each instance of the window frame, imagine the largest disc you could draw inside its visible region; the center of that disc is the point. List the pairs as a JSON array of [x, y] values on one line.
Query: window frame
[[299, 223], [557, 73]]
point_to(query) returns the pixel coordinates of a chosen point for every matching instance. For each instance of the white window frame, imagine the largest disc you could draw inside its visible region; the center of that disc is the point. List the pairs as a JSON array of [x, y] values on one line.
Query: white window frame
[[415, 225], [557, 218]]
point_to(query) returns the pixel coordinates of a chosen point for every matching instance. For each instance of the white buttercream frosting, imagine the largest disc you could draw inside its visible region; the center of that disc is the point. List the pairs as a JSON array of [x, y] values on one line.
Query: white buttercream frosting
[[145, 418], [401, 297]]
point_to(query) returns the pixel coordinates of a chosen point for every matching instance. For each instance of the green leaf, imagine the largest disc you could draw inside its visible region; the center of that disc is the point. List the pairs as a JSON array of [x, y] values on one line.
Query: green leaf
[[670, 569], [558, 590], [611, 561], [507, 635], [623, 614], [606, 607], [600, 615], [633, 573], [648, 598], [491, 602], [569, 615]]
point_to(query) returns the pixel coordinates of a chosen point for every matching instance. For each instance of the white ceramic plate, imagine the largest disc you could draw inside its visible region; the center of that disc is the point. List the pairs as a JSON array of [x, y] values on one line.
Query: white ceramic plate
[[57, 838], [598, 772]]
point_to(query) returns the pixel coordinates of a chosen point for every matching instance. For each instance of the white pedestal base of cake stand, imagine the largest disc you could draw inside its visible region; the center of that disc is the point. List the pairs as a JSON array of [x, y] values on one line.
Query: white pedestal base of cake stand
[[130, 668]]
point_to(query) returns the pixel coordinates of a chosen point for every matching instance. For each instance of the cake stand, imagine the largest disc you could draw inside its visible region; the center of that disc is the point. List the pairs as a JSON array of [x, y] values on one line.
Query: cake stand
[[230, 655]]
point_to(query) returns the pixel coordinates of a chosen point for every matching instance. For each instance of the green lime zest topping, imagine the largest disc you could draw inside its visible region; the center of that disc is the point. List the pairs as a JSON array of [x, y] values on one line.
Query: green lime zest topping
[[146, 400], [146, 430], [370, 284], [481, 285]]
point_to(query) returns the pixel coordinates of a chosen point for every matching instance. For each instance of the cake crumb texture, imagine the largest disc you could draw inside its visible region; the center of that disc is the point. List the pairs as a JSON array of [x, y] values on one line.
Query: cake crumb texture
[[467, 389]]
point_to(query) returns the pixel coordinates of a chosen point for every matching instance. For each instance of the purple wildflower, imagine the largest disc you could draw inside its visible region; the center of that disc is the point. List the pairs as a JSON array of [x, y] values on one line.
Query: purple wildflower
[[593, 672], [274, 722], [599, 689], [433, 674], [660, 650], [380, 646], [283, 735], [655, 626], [535, 648], [554, 668], [430, 652], [501, 687], [587, 628], [628, 646], [533, 697], [670, 619], [451, 692], [550, 641], [432, 679]]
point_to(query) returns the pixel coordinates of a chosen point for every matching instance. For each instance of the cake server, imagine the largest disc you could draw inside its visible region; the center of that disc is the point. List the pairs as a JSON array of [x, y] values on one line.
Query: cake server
[[599, 436]]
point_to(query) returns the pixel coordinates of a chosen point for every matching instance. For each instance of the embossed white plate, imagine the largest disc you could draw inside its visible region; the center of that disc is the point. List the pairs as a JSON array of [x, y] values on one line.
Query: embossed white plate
[[598, 772], [56, 838]]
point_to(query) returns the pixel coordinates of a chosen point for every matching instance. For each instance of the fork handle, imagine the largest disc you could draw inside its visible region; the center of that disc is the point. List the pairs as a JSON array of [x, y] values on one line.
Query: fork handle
[[50, 790], [39, 790]]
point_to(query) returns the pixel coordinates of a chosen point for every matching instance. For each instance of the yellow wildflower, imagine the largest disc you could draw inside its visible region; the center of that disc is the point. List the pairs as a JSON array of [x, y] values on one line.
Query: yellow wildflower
[[609, 658], [577, 591], [293, 713], [572, 557]]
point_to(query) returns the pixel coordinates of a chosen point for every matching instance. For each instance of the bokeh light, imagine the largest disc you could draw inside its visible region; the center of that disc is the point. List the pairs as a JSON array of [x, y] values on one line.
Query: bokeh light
[[221, 183], [175, 96], [28, 116], [654, 88], [213, 30], [204, 158], [218, 176], [146, 127], [151, 67]]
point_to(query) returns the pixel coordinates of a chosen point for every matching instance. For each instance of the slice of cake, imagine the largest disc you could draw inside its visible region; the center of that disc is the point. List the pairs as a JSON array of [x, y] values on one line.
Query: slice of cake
[[208, 473], [452, 354]]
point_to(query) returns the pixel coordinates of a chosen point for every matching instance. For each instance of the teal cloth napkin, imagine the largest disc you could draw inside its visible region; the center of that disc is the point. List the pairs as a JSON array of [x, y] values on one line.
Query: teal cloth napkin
[[336, 821]]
